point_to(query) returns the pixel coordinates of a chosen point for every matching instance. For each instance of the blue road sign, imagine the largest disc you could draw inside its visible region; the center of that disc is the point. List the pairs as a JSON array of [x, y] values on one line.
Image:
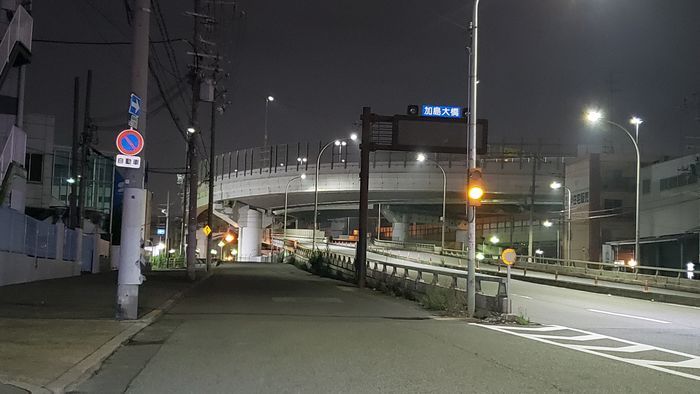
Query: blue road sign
[[160, 231], [134, 105], [441, 111]]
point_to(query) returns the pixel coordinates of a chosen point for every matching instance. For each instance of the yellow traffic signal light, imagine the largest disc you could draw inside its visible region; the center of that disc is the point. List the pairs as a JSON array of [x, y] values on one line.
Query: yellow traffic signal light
[[476, 187]]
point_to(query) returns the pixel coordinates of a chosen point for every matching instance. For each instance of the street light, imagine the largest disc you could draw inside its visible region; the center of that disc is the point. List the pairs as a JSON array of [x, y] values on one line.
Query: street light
[[547, 223], [336, 142], [268, 100], [556, 185], [421, 158], [594, 116], [494, 239], [191, 130], [286, 192], [70, 180]]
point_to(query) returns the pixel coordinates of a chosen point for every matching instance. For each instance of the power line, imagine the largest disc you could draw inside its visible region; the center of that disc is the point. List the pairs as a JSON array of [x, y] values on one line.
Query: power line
[[103, 43]]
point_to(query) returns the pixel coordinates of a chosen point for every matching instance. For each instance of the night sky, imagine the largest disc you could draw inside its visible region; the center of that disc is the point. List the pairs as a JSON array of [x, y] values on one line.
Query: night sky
[[541, 63]]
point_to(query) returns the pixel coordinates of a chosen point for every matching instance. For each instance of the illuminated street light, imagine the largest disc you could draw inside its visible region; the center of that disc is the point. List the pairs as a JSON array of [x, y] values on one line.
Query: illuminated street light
[[286, 194], [221, 244], [70, 180], [421, 158], [632, 263], [593, 116], [318, 164], [555, 185], [229, 237], [539, 252], [494, 239], [191, 130], [547, 223], [270, 98], [480, 256], [213, 252]]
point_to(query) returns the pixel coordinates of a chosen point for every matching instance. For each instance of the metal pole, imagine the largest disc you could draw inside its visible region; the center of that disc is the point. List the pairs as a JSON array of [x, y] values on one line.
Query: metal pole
[[530, 235], [379, 221], [286, 191], [444, 199], [568, 224], [636, 214], [318, 164], [510, 303], [134, 205], [361, 256], [73, 203], [267, 102], [471, 211], [637, 205]]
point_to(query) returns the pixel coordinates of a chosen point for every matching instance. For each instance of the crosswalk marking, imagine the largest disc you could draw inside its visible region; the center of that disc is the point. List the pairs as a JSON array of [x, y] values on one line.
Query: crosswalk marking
[[626, 351]]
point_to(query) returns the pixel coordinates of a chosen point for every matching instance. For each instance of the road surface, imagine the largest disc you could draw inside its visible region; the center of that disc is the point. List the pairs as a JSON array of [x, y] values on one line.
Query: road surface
[[259, 328]]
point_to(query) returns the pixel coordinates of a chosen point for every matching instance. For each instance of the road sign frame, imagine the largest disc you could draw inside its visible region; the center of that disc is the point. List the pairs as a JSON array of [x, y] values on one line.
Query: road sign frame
[[507, 255], [206, 230], [136, 148]]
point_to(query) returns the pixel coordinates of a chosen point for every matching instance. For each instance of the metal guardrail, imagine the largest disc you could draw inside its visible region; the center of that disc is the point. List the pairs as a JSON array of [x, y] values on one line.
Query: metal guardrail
[[417, 275]]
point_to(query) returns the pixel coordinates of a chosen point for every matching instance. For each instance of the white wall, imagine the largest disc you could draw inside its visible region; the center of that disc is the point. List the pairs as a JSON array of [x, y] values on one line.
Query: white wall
[[19, 268]]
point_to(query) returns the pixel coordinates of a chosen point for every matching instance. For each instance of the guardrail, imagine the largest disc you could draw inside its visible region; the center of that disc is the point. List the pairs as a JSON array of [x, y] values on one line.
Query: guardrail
[[644, 276], [491, 290]]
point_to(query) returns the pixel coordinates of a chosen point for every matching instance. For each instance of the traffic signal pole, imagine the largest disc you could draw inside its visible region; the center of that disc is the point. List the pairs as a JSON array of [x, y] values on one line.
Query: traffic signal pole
[[134, 208]]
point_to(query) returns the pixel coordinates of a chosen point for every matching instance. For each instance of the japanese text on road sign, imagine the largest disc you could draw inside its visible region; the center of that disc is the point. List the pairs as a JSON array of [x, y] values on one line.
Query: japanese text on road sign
[[441, 111]]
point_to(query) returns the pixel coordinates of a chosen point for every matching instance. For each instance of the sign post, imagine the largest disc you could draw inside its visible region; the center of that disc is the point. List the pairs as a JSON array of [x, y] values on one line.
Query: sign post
[[508, 256]]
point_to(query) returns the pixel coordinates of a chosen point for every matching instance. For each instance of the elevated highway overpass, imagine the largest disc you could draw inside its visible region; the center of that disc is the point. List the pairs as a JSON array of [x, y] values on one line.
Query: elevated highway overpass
[[250, 184]]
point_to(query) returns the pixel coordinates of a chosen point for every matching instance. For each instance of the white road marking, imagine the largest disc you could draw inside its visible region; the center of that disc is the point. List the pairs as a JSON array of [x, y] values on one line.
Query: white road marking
[[522, 296], [628, 348], [630, 316]]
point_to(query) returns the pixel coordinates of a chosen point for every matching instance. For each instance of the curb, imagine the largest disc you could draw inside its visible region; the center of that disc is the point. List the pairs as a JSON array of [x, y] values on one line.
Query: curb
[[85, 368]]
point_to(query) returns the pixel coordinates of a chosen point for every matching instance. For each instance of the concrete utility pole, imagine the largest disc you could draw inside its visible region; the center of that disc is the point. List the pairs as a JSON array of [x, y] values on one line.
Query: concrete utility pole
[[167, 222], [210, 210], [471, 211], [85, 143], [134, 209], [73, 200], [191, 153]]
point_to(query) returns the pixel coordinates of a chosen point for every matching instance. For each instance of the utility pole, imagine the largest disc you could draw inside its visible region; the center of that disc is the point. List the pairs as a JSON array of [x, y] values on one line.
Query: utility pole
[[73, 200], [210, 210], [471, 142], [167, 222], [191, 153], [134, 208], [86, 142]]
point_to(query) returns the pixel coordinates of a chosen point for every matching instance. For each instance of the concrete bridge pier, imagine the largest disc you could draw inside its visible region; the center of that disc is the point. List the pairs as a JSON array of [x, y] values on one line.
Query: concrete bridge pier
[[250, 234], [400, 229]]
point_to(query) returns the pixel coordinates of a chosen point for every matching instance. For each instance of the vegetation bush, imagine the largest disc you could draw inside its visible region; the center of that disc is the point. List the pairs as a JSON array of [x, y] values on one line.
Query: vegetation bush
[[442, 299]]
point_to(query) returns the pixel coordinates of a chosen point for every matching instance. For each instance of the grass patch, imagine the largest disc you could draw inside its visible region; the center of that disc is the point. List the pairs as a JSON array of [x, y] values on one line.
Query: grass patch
[[522, 319], [442, 299]]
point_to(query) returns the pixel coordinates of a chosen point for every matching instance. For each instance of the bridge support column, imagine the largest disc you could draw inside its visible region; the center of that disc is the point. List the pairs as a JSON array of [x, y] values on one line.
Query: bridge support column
[[250, 234], [400, 230]]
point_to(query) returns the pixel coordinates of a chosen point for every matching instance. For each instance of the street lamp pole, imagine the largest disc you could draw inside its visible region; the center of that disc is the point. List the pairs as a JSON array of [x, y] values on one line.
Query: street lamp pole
[[268, 99], [337, 142], [286, 193], [555, 185], [594, 116], [421, 158]]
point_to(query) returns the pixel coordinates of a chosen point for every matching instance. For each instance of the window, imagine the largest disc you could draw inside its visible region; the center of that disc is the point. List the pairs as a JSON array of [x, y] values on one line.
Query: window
[[34, 163], [612, 204], [677, 181]]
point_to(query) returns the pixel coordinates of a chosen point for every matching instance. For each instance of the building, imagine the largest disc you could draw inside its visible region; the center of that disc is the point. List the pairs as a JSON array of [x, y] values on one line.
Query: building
[[670, 213], [603, 189]]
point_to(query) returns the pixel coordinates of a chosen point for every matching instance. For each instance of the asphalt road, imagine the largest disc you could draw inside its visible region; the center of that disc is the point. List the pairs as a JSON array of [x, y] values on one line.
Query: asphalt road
[[259, 328], [668, 326]]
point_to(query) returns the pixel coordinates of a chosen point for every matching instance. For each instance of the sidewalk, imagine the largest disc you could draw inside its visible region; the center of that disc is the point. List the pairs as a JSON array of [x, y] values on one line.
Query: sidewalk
[[49, 327]]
